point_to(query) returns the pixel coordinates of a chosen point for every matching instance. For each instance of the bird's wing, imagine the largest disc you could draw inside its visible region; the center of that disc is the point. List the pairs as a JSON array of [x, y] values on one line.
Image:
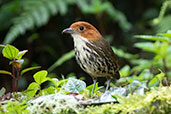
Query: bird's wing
[[104, 50]]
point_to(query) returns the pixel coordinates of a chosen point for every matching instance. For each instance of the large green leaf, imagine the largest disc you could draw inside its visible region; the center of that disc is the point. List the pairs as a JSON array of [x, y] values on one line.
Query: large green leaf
[[154, 38], [40, 76], [29, 69], [75, 85], [10, 52]]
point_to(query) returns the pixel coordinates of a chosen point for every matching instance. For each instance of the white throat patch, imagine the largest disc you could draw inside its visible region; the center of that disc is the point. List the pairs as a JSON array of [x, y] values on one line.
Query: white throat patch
[[79, 41]]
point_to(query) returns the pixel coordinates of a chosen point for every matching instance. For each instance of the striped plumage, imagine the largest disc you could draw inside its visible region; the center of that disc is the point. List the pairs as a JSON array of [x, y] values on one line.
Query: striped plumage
[[93, 53]]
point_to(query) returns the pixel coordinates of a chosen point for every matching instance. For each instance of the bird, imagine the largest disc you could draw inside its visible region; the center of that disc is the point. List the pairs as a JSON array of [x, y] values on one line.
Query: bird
[[93, 53]]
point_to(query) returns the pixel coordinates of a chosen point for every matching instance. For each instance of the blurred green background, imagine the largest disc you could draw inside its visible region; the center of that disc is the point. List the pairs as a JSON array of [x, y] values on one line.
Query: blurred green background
[[36, 25]]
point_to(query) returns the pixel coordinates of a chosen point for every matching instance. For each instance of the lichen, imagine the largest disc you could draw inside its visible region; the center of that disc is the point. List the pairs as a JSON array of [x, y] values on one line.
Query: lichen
[[53, 104]]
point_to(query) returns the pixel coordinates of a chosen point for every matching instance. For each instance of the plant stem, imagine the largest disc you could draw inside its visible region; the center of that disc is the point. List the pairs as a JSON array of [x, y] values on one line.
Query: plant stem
[[165, 69], [18, 77], [13, 79], [167, 84]]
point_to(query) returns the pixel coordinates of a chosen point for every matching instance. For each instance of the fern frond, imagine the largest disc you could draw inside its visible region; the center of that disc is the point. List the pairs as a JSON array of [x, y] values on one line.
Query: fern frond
[[36, 13], [164, 24], [99, 6], [165, 5]]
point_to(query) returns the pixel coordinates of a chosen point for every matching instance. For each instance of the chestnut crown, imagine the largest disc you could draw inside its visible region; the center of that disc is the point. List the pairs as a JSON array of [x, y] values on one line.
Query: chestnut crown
[[85, 30]]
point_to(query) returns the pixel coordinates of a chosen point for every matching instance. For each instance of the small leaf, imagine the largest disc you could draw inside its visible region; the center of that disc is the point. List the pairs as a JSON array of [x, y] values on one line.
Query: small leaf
[[32, 89], [146, 46], [61, 82], [29, 69], [40, 76], [49, 90], [166, 35], [5, 72], [10, 52], [154, 38], [90, 88], [155, 81], [75, 85], [123, 54], [2, 45], [125, 71], [160, 76], [53, 80], [2, 91], [145, 75], [21, 53]]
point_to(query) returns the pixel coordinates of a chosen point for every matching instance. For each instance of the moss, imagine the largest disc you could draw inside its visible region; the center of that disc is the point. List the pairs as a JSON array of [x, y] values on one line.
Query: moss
[[156, 101]]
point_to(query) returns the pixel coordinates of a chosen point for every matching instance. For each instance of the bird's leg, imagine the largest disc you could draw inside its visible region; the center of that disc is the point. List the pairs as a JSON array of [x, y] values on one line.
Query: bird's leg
[[108, 83], [94, 80]]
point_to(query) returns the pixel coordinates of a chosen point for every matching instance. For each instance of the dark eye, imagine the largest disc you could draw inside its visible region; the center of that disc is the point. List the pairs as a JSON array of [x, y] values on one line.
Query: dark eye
[[81, 28]]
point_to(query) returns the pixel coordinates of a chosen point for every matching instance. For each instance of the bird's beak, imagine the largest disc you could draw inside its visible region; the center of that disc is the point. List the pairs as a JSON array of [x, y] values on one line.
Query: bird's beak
[[68, 30]]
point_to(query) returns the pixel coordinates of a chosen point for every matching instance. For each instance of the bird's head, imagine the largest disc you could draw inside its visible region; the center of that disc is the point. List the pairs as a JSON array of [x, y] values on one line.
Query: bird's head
[[83, 29]]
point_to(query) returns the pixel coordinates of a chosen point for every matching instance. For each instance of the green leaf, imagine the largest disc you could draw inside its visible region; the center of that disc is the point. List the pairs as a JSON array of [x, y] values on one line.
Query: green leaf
[[5, 72], [123, 54], [125, 71], [61, 60], [162, 51], [154, 38], [2, 45], [32, 89], [146, 46], [145, 75], [166, 35], [10, 52], [29, 69], [2, 91], [160, 76], [90, 88], [60, 82], [49, 90], [21, 53], [40, 76], [53, 80], [75, 85], [155, 81]]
